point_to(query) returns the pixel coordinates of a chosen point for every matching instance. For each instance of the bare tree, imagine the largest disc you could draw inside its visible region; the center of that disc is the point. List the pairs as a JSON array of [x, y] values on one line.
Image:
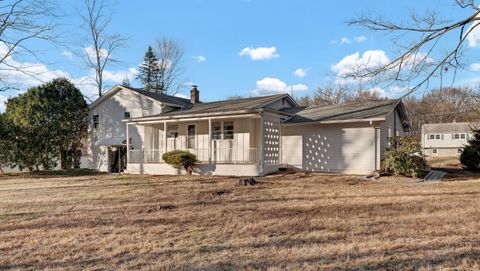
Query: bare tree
[[363, 96], [169, 55], [21, 22], [101, 45], [427, 52], [331, 95], [443, 105]]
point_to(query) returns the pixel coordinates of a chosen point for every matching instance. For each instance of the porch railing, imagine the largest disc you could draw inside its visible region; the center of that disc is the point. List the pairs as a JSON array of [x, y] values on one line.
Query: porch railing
[[217, 156]]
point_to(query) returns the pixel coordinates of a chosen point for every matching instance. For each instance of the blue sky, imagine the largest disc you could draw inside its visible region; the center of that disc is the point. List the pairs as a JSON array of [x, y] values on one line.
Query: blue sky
[[286, 44]]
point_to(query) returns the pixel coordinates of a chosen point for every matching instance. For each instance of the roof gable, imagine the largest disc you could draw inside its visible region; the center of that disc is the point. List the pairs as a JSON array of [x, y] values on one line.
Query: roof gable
[[164, 99]]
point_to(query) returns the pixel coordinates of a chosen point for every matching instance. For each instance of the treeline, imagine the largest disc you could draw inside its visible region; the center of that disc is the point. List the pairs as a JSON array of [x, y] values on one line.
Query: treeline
[[461, 104]]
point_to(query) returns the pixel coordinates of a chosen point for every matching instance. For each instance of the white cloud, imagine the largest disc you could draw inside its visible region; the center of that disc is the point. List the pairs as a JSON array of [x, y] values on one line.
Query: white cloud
[[259, 53], [475, 67], [360, 39], [352, 64], [300, 72], [199, 59], [90, 51], [379, 91], [345, 40], [474, 37], [67, 54], [269, 85], [391, 92]]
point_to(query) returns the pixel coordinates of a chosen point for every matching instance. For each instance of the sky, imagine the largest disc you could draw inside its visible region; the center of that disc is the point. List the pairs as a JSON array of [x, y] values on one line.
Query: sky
[[237, 47]]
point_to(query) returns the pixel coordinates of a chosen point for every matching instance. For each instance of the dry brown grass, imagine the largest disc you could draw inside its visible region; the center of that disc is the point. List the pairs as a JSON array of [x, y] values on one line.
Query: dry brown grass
[[295, 222]]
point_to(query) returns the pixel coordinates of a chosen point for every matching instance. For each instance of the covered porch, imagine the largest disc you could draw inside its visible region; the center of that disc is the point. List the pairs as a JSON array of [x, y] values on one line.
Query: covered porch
[[240, 145]]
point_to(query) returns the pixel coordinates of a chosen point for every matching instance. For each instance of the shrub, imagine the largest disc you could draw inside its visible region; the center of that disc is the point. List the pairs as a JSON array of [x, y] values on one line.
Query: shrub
[[470, 156], [181, 159], [404, 158]]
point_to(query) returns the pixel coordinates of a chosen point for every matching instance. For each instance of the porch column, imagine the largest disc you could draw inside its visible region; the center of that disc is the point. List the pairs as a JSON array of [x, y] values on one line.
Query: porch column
[[164, 137], [128, 145], [262, 142], [209, 140]]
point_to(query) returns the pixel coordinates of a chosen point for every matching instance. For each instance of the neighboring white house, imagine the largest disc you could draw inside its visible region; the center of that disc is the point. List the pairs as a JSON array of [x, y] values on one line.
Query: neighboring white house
[[244, 137], [445, 139]]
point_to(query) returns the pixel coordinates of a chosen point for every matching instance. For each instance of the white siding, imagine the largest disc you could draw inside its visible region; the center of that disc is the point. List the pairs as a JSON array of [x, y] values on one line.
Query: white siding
[[330, 148], [387, 129], [111, 113]]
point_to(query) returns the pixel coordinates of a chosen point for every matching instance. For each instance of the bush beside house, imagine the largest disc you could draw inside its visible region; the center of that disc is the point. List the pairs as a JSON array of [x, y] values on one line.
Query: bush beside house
[[404, 158], [181, 160]]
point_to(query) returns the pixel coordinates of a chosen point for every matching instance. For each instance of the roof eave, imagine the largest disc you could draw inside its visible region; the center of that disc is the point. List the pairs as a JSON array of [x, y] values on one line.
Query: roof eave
[[334, 121]]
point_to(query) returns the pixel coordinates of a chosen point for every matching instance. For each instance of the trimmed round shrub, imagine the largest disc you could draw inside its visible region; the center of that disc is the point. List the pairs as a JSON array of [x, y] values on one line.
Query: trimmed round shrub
[[470, 157], [181, 159]]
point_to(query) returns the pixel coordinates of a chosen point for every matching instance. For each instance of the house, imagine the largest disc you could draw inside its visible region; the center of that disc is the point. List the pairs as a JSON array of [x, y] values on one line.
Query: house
[[445, 139], [244, 137], [105, 148]]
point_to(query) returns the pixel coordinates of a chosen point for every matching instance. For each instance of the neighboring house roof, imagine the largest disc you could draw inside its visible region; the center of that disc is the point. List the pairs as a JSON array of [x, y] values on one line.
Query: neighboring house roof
[[226, 106], [348, 111], [444, 128], [163, 98]]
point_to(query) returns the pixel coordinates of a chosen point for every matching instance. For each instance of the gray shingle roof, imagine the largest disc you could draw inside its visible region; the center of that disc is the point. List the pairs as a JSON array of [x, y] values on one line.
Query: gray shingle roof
[[163, 97], [226, 105], [348, 111], [456, 127]]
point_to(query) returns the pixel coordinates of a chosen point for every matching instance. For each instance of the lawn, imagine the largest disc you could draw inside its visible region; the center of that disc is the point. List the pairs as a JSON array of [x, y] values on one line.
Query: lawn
[[294, 222]]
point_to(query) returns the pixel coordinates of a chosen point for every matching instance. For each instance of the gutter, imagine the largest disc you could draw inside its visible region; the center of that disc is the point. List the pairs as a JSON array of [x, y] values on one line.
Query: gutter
[[333, 121]]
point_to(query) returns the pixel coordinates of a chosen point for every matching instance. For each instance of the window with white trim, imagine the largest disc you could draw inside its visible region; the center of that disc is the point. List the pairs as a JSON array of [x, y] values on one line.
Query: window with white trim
[[228, 130], [96, 121], [191, 136], [216, 130], [172, 131], [222, 130], [434, 151]]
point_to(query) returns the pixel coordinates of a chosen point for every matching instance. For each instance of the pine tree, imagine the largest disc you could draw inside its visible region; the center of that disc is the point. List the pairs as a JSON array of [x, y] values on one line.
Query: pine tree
[[148, 70], [126, 82]]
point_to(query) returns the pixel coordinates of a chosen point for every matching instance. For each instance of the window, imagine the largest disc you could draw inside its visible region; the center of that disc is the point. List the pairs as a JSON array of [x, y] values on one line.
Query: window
[[126, 115], [437, 136], [172, 131], [216, 130], [456, 136], [432, 136], [462, 136], [95, 121], [191, 136], [434, 151], [228, 130]]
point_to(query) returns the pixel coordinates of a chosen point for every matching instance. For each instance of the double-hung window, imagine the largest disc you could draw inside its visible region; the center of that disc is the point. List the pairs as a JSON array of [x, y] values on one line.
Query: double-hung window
[[222, 130], [96, 121], [191, 136]]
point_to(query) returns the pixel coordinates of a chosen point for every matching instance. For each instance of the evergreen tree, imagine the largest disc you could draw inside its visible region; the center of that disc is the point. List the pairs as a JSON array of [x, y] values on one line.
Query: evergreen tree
[[44, 124], [148, 70], [470, 156], [126, 82]]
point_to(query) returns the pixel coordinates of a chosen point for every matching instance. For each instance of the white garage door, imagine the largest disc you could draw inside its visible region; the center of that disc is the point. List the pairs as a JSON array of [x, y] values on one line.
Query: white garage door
[[329, 148]]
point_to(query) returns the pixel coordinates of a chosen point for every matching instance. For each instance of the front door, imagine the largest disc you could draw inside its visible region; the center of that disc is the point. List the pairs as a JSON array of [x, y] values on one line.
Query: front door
[[117, 158]]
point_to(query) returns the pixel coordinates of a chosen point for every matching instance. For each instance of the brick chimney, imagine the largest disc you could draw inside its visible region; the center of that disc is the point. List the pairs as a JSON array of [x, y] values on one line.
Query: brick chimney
[[194, 95]]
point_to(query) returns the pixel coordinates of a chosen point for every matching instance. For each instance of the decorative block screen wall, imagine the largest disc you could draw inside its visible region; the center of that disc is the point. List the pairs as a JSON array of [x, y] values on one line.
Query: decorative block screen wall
[[271, 142]]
